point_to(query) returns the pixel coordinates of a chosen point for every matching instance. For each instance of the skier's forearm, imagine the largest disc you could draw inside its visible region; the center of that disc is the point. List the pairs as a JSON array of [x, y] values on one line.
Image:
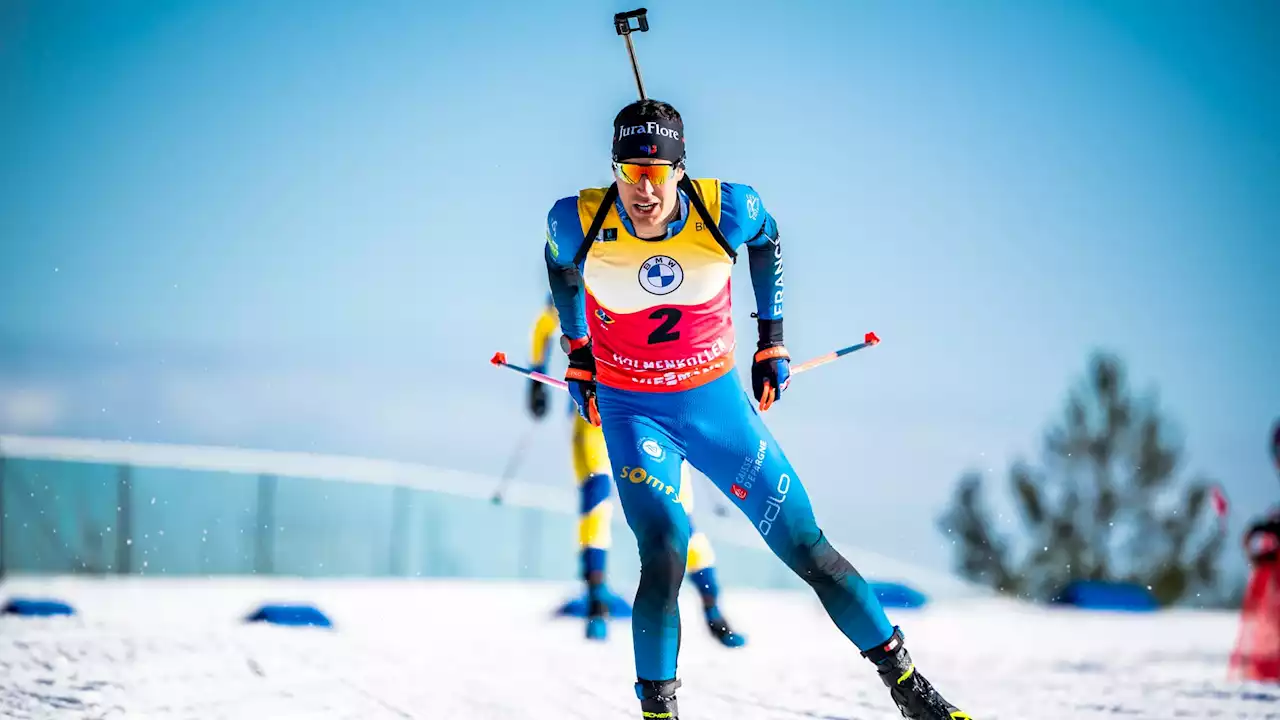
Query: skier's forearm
[[567, 295], [764, 255]]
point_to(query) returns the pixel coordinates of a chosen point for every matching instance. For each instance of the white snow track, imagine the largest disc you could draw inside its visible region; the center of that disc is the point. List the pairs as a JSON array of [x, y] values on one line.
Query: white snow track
[[444, 650]]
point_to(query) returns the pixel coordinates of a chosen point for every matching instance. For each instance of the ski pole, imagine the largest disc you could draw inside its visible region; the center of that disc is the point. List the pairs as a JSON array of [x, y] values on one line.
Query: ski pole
[[500, 359], [869, 340], [517, 456], [622, 23]]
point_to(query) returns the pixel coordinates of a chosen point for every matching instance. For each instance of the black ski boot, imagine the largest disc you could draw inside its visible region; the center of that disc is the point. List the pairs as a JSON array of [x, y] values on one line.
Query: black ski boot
[[658, 699], [911, 692]]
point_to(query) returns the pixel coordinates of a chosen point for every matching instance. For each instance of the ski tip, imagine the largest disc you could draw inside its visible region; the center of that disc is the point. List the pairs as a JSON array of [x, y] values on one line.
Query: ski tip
[[499, 358], [871, 339]]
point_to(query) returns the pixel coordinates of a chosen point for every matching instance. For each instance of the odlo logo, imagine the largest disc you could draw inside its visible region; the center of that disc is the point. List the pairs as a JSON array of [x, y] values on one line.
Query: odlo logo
[[773, 505]]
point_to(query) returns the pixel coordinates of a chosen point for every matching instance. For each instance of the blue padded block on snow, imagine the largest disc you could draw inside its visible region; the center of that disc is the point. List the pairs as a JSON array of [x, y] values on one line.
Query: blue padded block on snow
[[292, 615], [1101, 595], [577, 607], [897, 595], [30, 607]]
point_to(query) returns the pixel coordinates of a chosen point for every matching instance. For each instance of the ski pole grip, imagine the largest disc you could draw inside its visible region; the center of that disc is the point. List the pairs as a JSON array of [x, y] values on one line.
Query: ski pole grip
[[622, 21]]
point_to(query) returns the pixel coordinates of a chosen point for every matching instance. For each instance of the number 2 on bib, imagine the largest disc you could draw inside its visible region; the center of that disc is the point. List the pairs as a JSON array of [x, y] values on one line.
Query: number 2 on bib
[[663, 333]]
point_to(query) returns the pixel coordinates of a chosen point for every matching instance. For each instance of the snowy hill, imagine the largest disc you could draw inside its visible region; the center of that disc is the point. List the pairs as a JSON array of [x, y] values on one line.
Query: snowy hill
[[436, 649]]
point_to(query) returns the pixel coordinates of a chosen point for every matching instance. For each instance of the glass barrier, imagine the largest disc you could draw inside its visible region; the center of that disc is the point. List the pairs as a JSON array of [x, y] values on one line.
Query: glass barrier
[[76, 516]]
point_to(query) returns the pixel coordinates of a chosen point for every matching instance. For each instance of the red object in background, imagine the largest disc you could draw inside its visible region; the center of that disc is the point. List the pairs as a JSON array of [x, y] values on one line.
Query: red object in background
[[1257, 653], [1219, 498]]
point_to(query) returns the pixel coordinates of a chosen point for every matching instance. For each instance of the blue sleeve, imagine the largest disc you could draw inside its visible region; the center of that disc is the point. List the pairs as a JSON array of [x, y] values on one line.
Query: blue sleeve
[[564, 237], [744, 221]]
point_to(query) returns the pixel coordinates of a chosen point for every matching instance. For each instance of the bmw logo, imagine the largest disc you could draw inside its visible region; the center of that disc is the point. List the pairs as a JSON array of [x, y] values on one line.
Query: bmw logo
[[661, 275]]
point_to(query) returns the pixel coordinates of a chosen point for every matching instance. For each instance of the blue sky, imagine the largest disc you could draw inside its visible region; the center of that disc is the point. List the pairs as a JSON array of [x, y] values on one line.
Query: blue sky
[[307, 225]]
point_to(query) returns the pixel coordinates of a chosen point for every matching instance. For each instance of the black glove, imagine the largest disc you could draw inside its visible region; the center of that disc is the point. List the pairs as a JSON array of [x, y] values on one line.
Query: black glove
[[771, 366], [537, 397], [581, 376]]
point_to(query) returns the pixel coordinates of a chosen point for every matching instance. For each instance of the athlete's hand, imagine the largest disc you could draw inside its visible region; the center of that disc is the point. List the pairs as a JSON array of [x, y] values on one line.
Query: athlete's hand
[[770, 375], [538, 397], [771, 367], [581, 376]]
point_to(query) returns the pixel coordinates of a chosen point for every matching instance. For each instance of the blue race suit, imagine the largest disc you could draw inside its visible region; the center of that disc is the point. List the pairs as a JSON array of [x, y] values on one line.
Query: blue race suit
[[659, 316]]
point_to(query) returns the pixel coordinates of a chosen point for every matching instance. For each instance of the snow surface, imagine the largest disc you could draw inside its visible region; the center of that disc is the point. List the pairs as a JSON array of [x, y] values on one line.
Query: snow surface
[[162, 648]]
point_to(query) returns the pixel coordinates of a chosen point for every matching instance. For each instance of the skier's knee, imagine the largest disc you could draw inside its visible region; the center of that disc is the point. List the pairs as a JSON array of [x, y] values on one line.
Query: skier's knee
[[594, 492], [661, 573], [818, 563], [663, 541], [663, 549]]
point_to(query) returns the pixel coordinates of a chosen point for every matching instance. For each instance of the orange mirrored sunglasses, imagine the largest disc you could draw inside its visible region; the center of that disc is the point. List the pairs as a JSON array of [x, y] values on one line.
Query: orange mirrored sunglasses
[[631, 173]]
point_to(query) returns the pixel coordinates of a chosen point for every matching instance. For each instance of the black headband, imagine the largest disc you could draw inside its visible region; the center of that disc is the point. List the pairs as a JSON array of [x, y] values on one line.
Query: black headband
[[658, 139]]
